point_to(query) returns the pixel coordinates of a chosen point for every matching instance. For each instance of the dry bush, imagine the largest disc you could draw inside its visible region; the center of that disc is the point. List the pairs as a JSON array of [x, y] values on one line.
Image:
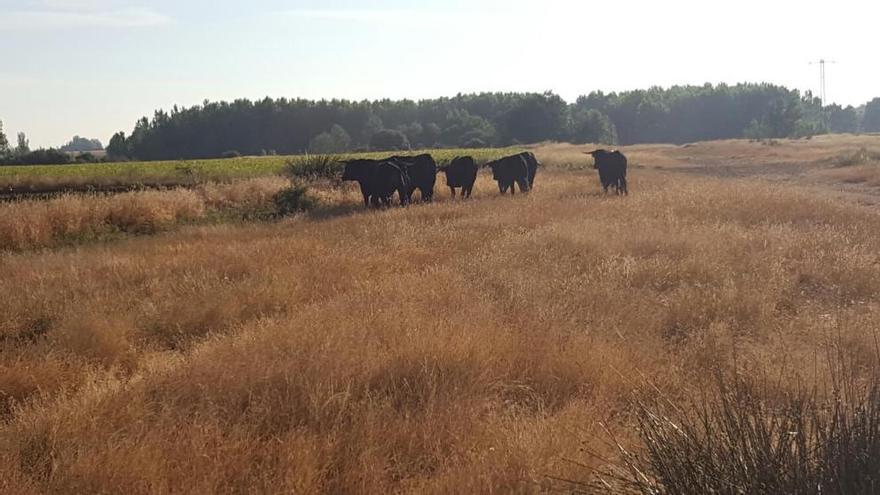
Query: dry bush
[[151, 211], [253, 193], [462, 346], [744, 435]]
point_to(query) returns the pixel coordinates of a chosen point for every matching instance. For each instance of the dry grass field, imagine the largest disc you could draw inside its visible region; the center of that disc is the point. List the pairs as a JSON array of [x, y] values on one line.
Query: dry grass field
[[75, 218], [485, 346]]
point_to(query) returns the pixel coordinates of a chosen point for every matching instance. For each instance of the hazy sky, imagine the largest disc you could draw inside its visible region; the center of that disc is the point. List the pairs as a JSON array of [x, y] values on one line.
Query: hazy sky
[[92, 67]]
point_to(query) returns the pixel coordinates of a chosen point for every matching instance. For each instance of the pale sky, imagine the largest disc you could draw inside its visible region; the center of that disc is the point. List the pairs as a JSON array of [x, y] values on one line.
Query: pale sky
[[93, 67]]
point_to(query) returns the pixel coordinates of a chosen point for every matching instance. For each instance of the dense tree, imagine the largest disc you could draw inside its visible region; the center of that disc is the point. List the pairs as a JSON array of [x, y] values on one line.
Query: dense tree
[[842, 119], [462, 126], [4, 143], [431, 133], [536, 118], [82, 144], [118, 147], [591, 126], [678, 114], [389, 139], [372, 126], [414, 132], [23, 146], [336, 140], [41, 156], [871, 120]]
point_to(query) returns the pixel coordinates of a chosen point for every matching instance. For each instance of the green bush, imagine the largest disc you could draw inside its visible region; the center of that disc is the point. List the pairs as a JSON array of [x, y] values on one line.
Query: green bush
[[293, 200], [313, 167]]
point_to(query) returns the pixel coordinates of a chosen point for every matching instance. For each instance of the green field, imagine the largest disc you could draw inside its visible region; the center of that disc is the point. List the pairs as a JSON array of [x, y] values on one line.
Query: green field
[[182, 172]]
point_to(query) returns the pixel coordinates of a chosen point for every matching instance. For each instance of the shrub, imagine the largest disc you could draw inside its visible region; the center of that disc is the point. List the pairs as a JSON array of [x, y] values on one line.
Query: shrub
[[230, 154], [49, 156], [742, 439], [858, 157], [294, 199], [86, 158], [313, 167]]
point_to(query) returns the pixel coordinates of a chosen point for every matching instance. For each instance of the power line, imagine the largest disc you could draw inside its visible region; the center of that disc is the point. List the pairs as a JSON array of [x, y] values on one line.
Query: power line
[[822, 94]]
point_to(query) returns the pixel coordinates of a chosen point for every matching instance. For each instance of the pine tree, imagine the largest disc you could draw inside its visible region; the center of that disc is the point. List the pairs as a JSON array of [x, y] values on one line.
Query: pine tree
[[23, 147], [4, 143]]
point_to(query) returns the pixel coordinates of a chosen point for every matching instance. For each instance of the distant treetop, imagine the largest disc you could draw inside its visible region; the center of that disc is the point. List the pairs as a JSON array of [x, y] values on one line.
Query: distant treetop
[[82, 144]]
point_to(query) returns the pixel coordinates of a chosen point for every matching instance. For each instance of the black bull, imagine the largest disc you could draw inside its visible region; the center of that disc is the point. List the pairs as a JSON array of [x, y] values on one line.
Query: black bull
[[612, 169], [378, 180], [514, 170], [461, 172], [422, 172]]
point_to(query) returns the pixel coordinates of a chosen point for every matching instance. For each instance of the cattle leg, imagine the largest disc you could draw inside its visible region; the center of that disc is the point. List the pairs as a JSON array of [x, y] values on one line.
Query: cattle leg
[[466, 192], [366, 196], [452, 189]]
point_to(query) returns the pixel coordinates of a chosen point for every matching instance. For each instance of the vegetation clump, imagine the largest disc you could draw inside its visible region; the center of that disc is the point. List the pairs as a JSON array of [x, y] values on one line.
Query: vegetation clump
[[293, 200], [313, 167]]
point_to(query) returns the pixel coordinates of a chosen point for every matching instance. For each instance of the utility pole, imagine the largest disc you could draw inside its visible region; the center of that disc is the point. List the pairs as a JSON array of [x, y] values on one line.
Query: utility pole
[[822, 94]]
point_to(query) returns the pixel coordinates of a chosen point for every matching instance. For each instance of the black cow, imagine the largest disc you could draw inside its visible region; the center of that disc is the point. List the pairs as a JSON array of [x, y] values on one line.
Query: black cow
[[612, 170], [511, 170], [533, 164], [461, 172], [378, 180], [422, 172]]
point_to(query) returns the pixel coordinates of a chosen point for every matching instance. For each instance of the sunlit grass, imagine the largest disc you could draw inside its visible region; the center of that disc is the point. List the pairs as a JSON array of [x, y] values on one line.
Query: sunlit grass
[[492, 345]]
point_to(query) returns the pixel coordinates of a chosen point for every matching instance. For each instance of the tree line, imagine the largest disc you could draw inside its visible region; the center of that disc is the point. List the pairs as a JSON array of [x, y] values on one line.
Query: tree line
[[675, 115], [77, 150], [679, 114]]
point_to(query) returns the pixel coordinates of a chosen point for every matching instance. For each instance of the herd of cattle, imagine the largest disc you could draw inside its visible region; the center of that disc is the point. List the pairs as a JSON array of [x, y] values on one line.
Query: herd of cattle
[[380, 179]]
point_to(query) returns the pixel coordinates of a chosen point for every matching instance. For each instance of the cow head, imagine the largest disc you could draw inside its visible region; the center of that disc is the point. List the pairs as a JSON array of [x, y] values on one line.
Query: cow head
[[493, 165], [596, 154], [355, 170]]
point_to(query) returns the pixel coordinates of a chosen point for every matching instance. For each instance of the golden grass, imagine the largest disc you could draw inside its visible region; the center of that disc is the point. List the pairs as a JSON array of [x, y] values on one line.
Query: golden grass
[[73, 218], [860, 166], [459, 347], [825, 150], [70, 218]]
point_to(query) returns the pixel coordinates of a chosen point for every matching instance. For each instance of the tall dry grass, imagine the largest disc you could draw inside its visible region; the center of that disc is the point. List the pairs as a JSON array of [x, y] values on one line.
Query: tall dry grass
[[460, 347], [32, 224], [827, 151]]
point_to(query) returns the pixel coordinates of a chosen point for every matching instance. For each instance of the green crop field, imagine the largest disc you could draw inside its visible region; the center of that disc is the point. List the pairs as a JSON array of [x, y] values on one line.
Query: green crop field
[[182, 172]]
